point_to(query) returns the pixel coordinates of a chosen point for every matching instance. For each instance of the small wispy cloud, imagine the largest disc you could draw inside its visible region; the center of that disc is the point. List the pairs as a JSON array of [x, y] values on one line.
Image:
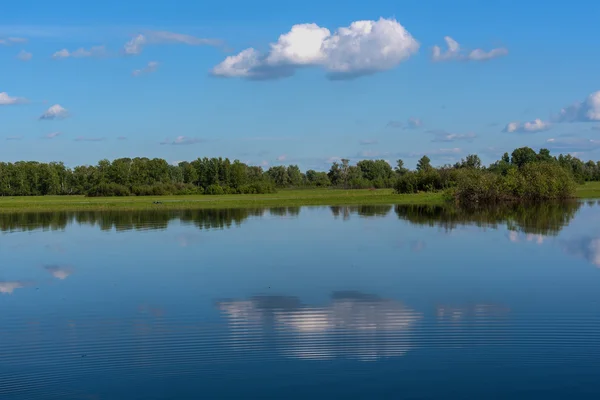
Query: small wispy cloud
[[148, 69], [8, 287], [59, 272], [281, 158], [443, 136], [52, 135], [55, 112], [453, 52], [88, 139], [182, 140], [6, 100], [536, 125], [24, 55], [121, 138], [572, 144], [138, 42], [95, 51], [14, 137], [413, 123], [368, 142], [394, 124], [11, 40]]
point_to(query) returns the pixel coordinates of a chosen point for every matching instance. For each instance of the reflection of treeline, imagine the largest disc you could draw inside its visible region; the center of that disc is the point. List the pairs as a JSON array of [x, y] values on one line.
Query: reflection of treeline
[[137, 220], [362, 211], [542, 218]]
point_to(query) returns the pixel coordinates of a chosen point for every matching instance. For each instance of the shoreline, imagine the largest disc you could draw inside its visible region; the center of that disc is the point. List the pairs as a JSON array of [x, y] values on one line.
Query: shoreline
[[283, 198]]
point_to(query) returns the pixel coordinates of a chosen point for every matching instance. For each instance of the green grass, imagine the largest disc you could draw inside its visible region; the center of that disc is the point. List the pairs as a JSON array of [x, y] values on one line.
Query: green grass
[[304, 197], [590, 190]]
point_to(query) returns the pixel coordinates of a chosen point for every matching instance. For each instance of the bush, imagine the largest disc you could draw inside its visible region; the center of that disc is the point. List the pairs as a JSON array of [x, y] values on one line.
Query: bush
[[257, 188], [532, 182], [108, 190], [214, 190], [428, 180]]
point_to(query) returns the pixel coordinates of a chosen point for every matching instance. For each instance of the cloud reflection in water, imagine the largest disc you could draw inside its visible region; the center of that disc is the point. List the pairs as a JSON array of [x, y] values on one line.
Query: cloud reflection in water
[[354, 325]]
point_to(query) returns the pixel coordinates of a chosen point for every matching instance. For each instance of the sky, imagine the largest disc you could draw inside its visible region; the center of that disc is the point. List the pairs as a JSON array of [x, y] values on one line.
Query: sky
[[303, 83]]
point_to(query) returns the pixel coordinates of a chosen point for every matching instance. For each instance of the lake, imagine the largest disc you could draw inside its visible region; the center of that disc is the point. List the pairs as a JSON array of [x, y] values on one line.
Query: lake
[[372, 302]]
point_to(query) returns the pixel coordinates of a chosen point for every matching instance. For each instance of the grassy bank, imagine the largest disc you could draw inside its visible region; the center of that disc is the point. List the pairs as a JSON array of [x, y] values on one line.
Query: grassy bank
[[306, 197], [590, 190]]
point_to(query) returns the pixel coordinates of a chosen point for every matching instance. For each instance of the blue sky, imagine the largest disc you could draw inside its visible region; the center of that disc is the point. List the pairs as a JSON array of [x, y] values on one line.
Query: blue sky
[[524, 75]]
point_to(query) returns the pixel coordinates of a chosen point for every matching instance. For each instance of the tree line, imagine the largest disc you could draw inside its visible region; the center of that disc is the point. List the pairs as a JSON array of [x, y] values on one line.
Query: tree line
[[144, 176]]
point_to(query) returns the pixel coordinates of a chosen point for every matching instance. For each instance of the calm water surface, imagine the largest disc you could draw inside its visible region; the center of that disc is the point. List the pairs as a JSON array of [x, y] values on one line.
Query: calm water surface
[[295, 303]]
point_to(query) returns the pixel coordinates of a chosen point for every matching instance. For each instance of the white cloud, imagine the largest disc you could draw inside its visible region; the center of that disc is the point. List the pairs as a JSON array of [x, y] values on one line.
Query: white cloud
[[537, 125], [481, 55], [88, 139], [182, 140], [9, 287], [148, 69], [6, 100], [454, 52], [362, 48], [11, 40], [446, 151], [14, 137], [137, 43], [282, 157], [584, 111], [394, 124], [572, 144], [53, 135], [370, 153], [96, 51], [58, 271], [55, 112], [24, 55], [414, 123], [443, 136]]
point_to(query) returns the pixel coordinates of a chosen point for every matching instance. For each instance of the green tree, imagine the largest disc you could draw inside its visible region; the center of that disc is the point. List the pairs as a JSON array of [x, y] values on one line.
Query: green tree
[[424, 164], [522, 156]]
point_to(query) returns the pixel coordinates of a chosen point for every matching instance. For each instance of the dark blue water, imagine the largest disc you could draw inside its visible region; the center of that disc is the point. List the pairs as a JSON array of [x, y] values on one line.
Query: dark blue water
[[290, 303]]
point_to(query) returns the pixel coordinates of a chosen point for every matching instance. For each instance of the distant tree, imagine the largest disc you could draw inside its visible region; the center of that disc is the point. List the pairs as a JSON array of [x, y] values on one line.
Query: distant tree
[[544, 155], [400, 169], [472, 161], [424, 164], [295, 177], [522, 156]]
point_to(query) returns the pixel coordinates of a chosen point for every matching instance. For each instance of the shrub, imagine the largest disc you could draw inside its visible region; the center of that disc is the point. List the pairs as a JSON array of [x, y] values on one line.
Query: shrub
[[532, 182], [214, 190], [257, 188], [108, 190]]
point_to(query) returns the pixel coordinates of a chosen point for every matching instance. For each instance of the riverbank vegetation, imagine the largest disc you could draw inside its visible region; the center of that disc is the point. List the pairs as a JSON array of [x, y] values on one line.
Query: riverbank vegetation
[[523, 176], [283, 198], [218, 176]]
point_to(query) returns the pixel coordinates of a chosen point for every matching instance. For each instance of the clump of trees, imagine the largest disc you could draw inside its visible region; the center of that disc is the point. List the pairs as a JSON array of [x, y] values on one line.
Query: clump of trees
[[524, 175]]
